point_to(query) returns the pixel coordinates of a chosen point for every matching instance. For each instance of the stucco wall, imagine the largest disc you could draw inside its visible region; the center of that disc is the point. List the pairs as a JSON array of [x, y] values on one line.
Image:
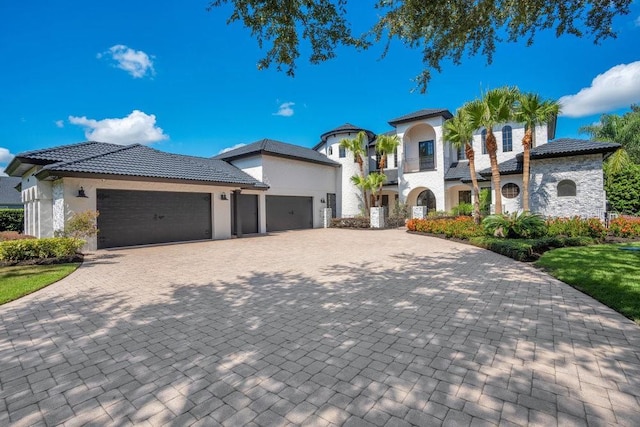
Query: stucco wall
[[348, 195], [288, 177], [250, 165], [38, 205], [584, 170]]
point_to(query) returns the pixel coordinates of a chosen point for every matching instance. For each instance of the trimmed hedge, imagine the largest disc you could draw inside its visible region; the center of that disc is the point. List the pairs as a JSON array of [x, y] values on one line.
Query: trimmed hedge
[[462, 227], [528, 249], [12, 220], [28, 249], [355, 222]]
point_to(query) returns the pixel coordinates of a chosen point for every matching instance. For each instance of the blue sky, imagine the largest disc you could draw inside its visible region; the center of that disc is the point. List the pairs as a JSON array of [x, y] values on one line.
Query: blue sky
[[174, 76]]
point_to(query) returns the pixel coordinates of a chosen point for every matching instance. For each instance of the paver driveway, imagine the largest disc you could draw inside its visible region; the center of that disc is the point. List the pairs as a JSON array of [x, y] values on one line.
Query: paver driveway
[[315, 327]]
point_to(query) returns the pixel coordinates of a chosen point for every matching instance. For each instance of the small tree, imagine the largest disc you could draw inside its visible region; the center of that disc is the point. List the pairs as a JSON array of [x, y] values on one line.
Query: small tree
[[82, 225], [385, 145]]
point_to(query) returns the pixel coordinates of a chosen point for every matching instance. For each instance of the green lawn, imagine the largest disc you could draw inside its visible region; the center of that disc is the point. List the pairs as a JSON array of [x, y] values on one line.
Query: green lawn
[[18, 281], [607, 273]]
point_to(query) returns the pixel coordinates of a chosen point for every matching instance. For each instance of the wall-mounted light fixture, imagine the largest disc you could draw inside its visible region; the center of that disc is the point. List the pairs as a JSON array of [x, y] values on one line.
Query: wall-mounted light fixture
[[322, 201], [223, 196], [81, 193]]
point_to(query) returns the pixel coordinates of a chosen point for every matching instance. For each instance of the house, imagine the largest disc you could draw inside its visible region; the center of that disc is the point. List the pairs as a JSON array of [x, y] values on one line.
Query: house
[[147, 196], [10, 197]]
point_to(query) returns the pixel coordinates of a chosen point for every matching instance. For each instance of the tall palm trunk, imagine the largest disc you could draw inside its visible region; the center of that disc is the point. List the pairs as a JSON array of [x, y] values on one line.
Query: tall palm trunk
[[492, 149], [526, 157], [471, 156]]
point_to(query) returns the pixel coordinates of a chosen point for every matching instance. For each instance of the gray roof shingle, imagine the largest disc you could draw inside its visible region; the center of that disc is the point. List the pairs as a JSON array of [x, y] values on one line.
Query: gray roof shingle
[[460, 171], [66, 153], [8, 193], [345, 128], [277, 148], [140, 161], [561, 147], [421, 114]]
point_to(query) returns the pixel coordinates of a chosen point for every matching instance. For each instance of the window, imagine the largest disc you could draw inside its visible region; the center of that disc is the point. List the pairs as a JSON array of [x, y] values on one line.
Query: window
[[428, 199], [483, 141], [378, 160], [566, 188], [395, 158], [510, 190], [342, 152], [462, 155], [507, 139], [427, 155], [464, 196], [330, 150]]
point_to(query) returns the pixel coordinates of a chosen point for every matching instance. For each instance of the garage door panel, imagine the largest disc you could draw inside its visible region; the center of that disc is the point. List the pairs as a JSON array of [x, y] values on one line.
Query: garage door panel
[[129, 217], [289, 213]]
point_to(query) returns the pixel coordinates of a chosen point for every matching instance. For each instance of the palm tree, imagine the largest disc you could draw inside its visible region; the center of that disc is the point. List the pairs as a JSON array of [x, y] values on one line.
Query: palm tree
[[495, 107], [458, 131], [375, 181], [531, 110], [385, 145], [358, 146], [621, 129]]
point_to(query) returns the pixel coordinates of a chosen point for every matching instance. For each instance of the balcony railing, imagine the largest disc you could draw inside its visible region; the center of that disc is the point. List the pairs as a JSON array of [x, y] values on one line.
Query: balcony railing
[[418, 164]]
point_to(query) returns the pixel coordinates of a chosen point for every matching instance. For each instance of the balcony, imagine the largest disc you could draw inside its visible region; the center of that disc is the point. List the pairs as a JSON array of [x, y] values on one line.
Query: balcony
[[419, 164]]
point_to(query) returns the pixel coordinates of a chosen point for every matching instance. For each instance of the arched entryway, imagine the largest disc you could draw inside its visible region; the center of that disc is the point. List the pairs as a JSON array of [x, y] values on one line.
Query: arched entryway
[[428, 199]]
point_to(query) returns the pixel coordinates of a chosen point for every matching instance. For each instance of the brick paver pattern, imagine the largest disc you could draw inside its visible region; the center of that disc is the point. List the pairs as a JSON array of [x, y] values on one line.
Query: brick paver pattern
[[317, 327]]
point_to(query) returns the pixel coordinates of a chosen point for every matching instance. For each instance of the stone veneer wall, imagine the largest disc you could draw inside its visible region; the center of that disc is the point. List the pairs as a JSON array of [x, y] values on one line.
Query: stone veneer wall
[[584, 170]]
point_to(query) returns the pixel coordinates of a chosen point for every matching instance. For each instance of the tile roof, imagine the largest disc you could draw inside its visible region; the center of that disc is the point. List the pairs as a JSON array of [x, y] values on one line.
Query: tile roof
[[8, 193], [460, 171], [345, 128], [129, 161], [277, 148], [421, 114], [562, 147]]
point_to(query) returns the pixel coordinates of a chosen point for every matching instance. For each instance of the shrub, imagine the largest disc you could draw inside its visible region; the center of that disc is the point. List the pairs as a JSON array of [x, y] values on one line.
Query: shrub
[[12, 220], [528, 249], [623, 190], [52, 247], [462, 209], [399, 215], [576, 227], [462, 227], [517, 225], [355, 222], [81, 225], [13, 235], [625, 226]]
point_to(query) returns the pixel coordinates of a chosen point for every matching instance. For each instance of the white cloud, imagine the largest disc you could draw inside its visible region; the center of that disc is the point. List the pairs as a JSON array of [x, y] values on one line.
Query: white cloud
[[5, 157], [137, 127], [285, 109], [59, 123], [615, 88], [135, 62], [637, 22], [224, 150]]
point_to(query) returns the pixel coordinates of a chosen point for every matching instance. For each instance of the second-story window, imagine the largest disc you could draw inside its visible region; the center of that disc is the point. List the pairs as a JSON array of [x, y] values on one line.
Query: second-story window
[[330, 150], [507, 139], [395, 158], [342, 152], [462, 155], [483, 140], [427, 155]]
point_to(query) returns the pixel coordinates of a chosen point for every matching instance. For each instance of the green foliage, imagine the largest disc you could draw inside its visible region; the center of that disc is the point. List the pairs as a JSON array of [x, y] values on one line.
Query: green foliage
[[462, 227], [12, 220], [605, 272], [443, 31], [53, 247], [355, 222], [527, 249], [462, 209], [623, 190], [625, 227], [18, 281], [576, 227], [517, 225], [399, 215], [485, 201], [82, 225], [625, 130]]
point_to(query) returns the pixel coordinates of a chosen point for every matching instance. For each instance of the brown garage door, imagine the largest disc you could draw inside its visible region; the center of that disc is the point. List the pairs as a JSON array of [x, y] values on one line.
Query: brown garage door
[[130, 217], [289, 213]]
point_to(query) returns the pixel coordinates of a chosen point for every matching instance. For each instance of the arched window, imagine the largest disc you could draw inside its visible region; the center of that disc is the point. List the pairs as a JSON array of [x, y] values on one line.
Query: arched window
[[428, 199], [483, 140], [330, 150], [507, 139], [566, 188], [510, 190]]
